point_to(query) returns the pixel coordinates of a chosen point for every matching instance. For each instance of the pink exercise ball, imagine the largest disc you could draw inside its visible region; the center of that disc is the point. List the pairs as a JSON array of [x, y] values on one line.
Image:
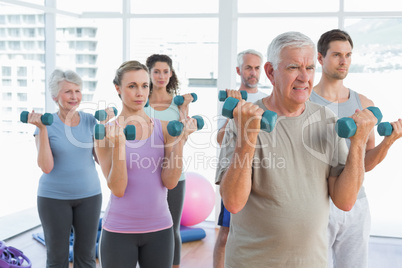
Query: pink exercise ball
[[199, 199]]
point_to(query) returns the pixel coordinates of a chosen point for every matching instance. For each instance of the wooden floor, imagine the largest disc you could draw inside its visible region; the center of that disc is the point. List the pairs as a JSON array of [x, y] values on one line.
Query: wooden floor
[[383, 251], [196, 254]]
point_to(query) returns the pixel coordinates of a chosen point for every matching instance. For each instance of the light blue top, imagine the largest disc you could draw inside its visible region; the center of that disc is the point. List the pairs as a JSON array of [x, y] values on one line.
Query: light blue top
[[74, 175], [169, 114]]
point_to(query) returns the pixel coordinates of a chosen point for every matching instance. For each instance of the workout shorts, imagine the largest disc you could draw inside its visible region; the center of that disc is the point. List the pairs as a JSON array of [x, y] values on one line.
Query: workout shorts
[[224, 216]]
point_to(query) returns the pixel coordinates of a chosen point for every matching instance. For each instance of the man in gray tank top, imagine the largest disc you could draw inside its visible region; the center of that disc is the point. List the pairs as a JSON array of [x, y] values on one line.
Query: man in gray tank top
[[348, 232], [276, 184]]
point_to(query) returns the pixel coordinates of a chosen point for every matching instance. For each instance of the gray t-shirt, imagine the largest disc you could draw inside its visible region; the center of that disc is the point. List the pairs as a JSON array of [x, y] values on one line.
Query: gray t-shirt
[[284, 222]]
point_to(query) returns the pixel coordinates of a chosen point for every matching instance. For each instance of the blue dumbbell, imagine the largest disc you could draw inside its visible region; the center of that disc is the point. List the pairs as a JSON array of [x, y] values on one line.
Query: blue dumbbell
[[385, 129], [101, 115], [100, 132], [223, 95], [268, 119], [47, 118], [346, 126], [178, 100], [175, 128]]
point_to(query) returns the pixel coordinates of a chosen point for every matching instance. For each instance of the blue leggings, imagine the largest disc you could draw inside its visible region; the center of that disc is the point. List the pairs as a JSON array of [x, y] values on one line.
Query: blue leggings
[[150, 250], [57, 218]]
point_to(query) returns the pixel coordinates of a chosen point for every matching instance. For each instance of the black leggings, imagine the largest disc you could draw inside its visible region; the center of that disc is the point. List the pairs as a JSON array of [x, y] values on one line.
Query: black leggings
[[57, 218], [176, 200], [150, 250]]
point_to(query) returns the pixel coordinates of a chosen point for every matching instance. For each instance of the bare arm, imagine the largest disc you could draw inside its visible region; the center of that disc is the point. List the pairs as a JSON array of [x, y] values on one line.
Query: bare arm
[[376, 155], [236, 181], [173, 161], [345, 188], [184, 108], [111, 153], [45, 156], [221, 132]]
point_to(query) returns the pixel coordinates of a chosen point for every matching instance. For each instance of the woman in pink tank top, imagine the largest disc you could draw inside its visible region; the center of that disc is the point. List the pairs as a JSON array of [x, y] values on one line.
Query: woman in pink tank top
[[137, 226]]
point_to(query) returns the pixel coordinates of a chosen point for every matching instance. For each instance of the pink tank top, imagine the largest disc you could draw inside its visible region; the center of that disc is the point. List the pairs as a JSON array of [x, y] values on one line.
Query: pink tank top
[[144, 207]]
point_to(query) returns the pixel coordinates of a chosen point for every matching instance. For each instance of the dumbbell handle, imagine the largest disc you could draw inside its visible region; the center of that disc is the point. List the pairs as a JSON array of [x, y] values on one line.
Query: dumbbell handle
[[47, 118], [223, 95], [346, 126], [101, 115], [175, 127], [268, 119], [179, 100], [385, 129], [100, 132]]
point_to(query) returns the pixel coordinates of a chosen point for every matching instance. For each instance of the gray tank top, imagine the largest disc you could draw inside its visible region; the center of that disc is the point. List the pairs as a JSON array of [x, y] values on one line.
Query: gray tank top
[[343, 109]]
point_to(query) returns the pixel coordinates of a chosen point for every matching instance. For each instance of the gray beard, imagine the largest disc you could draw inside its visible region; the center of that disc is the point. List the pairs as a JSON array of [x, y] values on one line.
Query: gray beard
[[251, 86]]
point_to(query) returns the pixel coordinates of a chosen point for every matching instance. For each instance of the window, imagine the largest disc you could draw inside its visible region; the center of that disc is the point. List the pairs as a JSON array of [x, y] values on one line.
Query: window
[[7, 96], [29, 45], [91, 32], [80, 59], [168, 7], [41, 18], [21, 109], [89, 85], [6, 71], [29, 32], [188, 32], [272, 6], [14, 32], [41, 32], [79, 6], [6, 110], [187, 41], [92, 59], [15, 45], [22, 82], [87, 97], [22, 71], [22, 96], [14, 19], [29, 19], [41, 45], [6, 82], [362, 5]]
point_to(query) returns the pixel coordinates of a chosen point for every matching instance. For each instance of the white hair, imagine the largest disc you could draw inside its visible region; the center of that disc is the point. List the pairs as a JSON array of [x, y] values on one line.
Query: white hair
[[240, 56], [59, 76], [288, 39]]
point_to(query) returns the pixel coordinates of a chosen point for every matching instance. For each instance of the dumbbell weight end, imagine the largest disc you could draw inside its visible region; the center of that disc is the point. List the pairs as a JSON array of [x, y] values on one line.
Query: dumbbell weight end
[[47, 118], [101, 115], [385, 129]]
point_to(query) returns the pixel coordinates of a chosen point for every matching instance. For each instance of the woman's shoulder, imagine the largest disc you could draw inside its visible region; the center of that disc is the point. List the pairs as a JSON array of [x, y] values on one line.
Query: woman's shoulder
[[87, 117]]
